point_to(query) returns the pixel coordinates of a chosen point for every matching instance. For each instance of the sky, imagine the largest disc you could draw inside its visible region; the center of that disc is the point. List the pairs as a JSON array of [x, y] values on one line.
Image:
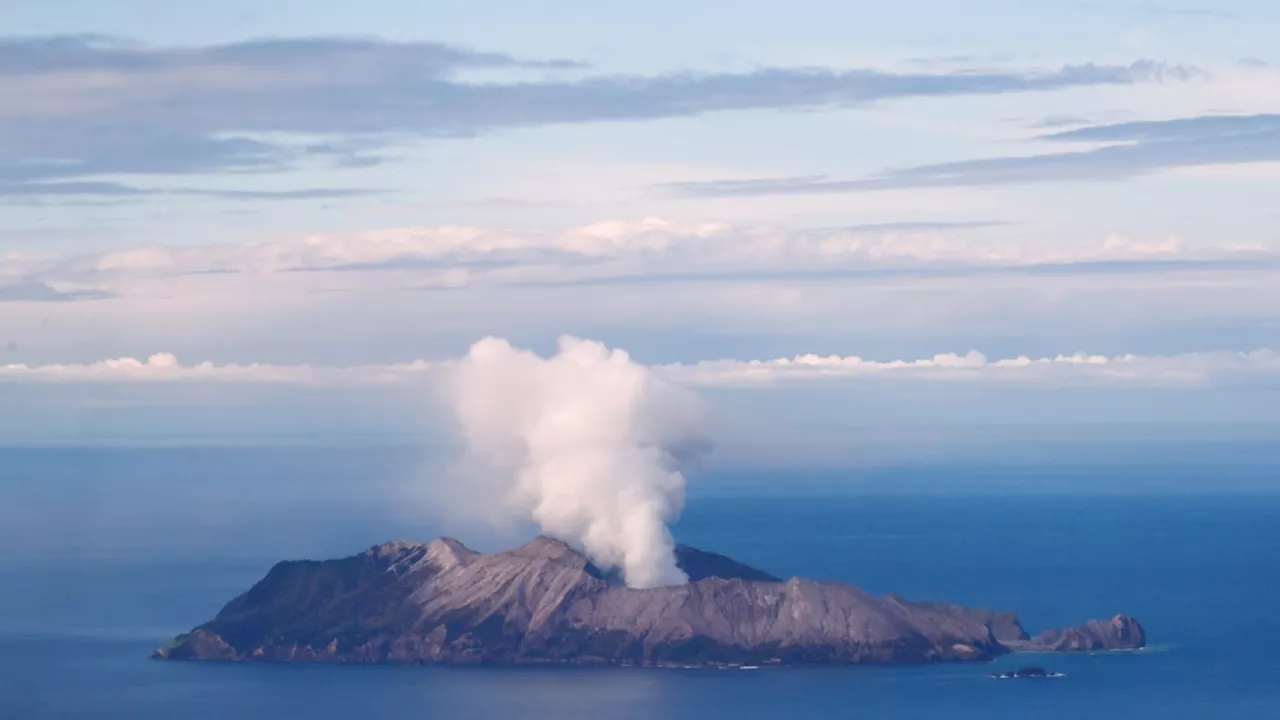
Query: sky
[[846, 224]]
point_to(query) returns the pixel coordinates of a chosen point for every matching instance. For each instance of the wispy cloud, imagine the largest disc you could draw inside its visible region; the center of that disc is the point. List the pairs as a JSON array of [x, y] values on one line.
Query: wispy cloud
[[1085, 268], [23, 55], [164, 367], [1201, 13], [71, 190], [1183, 370], [1058, 121], [44, 190], [74, 108], [1189, 369], [300, 194], [1131, 149], [35, 291], [908, 226], [656, 250]]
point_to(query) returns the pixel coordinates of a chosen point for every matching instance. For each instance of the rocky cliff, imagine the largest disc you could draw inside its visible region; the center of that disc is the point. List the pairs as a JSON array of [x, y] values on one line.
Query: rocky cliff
[[440, 602]]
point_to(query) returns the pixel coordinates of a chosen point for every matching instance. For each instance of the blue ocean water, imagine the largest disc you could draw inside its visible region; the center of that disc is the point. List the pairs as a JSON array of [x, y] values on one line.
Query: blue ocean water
[[108, 553]]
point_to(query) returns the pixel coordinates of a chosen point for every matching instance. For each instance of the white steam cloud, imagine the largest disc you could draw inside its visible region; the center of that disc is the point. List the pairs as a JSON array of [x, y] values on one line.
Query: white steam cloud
[[588, 443]]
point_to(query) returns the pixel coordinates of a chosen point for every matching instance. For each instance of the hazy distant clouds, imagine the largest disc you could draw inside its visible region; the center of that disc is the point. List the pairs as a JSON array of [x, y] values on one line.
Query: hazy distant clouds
[[1186, 370]]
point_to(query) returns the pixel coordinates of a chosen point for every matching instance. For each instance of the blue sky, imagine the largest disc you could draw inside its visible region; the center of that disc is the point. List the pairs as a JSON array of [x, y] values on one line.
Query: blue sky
[[268, 187]]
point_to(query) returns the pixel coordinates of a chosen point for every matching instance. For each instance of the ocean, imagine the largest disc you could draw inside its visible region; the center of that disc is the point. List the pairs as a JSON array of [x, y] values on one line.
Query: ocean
[[105, 554]]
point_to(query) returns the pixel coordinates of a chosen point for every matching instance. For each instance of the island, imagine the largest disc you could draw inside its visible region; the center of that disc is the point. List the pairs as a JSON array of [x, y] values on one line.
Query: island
[[1030, 672], [545, 603]]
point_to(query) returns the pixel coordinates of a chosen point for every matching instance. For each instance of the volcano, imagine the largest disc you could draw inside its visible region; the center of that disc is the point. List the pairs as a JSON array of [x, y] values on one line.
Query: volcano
[[546, 603]]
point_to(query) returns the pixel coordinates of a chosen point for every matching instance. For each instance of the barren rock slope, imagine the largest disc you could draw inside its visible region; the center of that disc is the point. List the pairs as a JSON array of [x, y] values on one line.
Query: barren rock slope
[[544, 602]]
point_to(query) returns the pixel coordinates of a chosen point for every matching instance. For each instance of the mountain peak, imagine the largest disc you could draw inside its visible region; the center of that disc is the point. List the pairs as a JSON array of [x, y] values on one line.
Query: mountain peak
[[394, 548], [545, 546], [446, 553]]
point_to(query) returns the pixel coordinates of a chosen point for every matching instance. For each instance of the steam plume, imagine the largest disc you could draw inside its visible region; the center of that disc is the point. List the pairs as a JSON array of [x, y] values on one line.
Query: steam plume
[[587, 443]]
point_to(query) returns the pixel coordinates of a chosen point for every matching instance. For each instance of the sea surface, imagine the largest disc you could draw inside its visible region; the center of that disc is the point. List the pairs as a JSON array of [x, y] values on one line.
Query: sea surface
[[105, 554]]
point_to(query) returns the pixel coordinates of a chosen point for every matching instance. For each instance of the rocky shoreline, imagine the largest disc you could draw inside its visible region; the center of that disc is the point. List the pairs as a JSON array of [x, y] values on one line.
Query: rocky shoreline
[[545, 603]]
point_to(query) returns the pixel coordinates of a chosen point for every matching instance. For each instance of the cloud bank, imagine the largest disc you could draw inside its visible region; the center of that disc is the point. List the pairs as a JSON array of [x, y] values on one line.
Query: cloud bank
[[632, 251], [1180, 370], [165, 367]]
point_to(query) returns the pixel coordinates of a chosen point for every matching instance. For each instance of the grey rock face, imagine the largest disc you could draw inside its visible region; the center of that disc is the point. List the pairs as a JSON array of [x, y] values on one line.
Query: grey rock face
[[1120, 633], [544, 602]]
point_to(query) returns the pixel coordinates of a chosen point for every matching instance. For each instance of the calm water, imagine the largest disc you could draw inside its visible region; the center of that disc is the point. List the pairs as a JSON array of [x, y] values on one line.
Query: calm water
[[107, 554]]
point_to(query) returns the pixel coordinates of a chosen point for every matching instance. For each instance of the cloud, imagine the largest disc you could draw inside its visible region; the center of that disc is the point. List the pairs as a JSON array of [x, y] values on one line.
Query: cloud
[[647, 244], [1201, 13], [99, 189], [649, 250], [919, 226], [35, 291], [77, 107], [1222, 128], [667, 289], [1057, 121], [165, 367], [103, 53], [1187, 370], [301, 194], [1194, 369], [34, 149], [922, 272], [22, 192], [1134, 148]]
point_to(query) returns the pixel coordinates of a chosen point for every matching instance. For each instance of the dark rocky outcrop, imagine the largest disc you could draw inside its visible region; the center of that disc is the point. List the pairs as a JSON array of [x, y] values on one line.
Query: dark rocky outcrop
[[1120, 633], [544, 602], [700, 565], [1026, 673]]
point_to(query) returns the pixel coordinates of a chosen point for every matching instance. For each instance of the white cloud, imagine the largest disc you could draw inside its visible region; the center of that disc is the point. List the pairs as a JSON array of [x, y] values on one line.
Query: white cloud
[[1171, 370], [647, 246], [883, 290], [1125, 247], [165, 367], [1183, 370]]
